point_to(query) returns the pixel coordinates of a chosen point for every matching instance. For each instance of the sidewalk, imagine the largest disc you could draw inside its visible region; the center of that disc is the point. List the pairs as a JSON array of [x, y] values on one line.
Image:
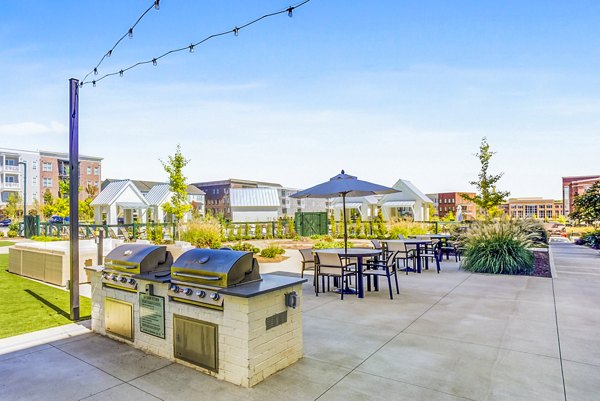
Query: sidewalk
[[447, 336]]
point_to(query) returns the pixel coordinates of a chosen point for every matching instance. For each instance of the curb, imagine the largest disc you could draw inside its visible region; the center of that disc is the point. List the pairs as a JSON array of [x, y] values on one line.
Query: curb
[[551, 261]]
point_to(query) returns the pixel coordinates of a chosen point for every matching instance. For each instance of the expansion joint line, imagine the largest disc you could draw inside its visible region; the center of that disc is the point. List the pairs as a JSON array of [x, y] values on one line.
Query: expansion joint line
[[562, 371], [393, 338]]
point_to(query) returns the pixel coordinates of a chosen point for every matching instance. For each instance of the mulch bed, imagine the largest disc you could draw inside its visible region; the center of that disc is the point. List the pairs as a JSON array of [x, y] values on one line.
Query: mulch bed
[[276, 259], [541, 264]]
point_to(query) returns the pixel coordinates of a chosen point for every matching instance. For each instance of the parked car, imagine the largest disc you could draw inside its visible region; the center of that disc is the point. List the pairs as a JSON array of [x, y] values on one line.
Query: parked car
[[59, 220], [5, 222]]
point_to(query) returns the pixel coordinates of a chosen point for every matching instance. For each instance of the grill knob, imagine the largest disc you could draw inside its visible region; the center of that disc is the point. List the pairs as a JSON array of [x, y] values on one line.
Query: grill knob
[[131, 281], [123, 279], [114, 277], [174, 288], [214, 296], [201, 294], [104, 275], [188, 291]]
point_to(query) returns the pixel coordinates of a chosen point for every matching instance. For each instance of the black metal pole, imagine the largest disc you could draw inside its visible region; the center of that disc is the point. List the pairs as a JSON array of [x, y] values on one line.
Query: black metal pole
[[24, 196], [345, 226], [74, 195]]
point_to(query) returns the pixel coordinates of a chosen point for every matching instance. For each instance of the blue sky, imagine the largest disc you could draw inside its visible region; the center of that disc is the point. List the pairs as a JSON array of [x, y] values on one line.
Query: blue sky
[[385, 90]]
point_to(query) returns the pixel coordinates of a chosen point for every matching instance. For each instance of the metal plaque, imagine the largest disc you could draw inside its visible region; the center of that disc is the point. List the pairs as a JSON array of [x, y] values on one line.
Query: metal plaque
[[152, 315]]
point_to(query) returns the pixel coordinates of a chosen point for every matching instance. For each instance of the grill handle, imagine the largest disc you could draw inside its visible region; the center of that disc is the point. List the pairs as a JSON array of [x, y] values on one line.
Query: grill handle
[[208, 278], [109, 264]]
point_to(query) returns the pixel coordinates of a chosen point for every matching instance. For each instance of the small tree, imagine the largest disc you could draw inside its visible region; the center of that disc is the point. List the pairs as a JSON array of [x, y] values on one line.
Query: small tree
[[14, 205], [587, 205], [487, 197], [179, 205]]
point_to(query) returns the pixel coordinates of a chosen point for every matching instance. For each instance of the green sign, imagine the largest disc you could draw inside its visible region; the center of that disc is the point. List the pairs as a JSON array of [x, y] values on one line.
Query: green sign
[[152, 315]]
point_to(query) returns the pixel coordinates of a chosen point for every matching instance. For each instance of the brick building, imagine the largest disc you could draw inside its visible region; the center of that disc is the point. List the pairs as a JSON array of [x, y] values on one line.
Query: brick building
[[575, 186], [54, 167], [534, 207], [446, 202]]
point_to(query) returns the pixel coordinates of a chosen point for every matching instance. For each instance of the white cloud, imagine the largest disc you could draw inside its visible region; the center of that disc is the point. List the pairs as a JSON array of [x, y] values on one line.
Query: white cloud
[[30, 128]]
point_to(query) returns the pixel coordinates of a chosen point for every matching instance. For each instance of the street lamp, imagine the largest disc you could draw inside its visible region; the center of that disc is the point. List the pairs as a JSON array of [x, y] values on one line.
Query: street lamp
[[24, 193]]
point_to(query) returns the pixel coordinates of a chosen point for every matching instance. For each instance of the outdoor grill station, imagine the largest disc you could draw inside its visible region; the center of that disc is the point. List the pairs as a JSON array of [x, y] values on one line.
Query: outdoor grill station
[[209, 309]]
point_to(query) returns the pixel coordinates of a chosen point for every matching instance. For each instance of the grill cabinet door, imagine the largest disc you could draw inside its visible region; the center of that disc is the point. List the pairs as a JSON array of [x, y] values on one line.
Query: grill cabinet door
[[195, 342], [118, 318]]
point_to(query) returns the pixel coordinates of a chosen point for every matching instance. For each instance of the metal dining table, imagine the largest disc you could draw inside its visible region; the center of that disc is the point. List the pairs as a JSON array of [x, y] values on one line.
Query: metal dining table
[[417, 242], [359, 254]]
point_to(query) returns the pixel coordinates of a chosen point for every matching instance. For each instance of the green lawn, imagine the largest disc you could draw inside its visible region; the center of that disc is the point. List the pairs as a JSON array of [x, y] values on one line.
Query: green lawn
[[27, 305], [6, 243]]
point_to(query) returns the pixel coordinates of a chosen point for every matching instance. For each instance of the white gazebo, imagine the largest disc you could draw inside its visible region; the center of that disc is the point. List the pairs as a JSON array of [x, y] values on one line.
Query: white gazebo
[[119, 199], [366, 206], [410, 202]]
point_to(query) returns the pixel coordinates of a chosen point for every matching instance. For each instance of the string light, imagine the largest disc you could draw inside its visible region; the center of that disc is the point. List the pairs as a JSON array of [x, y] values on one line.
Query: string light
[[95, 71], [191, 46], [155, 5]]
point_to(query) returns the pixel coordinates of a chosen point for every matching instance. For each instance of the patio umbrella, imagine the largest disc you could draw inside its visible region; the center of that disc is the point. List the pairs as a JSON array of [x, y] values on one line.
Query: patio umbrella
[[344, 185]]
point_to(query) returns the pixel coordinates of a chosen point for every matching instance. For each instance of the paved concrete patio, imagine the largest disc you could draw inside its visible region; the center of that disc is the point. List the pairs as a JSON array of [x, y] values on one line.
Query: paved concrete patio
[[451, 336]]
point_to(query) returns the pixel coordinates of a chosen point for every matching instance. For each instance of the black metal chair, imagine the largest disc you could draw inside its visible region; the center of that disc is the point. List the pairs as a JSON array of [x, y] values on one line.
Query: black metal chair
[[332, 265], [385, 267], [432, 252]]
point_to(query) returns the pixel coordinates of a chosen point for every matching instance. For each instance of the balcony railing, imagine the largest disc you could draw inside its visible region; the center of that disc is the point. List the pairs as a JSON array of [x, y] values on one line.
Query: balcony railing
[[9, 167], [10, 185]]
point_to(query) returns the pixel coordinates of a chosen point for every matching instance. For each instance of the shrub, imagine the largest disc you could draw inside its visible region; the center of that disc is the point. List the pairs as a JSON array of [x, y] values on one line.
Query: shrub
[[331, 244], [12, 233], [203, 233], [536, 231], [43, 238], [497, 247], [272, 251], [245, 246], [591, 239], [407, 228]]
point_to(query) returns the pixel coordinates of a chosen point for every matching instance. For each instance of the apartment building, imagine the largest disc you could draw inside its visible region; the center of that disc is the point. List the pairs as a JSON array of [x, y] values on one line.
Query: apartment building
[[44, 171], [534, 207], [54, 167], [575, 186], [13, 163], [218, 198], [453, 202]]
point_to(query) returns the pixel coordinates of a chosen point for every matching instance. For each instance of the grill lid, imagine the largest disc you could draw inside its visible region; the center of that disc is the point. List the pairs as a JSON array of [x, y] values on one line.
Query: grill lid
[[222, 268], [139, 258]]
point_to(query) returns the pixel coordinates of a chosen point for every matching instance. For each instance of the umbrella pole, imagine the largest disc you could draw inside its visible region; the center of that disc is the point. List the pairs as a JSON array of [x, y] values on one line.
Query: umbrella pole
[[345, 225]]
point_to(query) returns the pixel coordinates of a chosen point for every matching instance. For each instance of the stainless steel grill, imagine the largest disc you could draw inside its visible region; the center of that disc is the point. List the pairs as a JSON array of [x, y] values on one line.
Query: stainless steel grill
[[125, 261], [198, 274]]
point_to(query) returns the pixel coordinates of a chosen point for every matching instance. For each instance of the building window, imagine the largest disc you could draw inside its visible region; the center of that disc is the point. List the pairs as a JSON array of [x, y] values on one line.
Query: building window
[[88, 170], [96, 171], [34, 165], [47, 182], [47, 166]]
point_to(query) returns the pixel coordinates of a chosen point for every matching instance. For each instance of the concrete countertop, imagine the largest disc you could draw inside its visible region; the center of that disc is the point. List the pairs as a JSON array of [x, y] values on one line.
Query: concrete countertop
[[269, 282]]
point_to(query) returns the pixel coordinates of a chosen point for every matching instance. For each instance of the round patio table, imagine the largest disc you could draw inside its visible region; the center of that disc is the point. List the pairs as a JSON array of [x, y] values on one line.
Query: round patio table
[[417, 242], [359, 254]]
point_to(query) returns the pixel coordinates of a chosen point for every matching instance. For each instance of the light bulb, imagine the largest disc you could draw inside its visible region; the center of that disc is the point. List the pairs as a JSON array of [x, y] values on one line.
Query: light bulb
[[94, 83], [157, 4], [154, 62], [290, 12], [130, 33], [95, 71], [109, 53], [191, 47], [121, 73], [236, 31]]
